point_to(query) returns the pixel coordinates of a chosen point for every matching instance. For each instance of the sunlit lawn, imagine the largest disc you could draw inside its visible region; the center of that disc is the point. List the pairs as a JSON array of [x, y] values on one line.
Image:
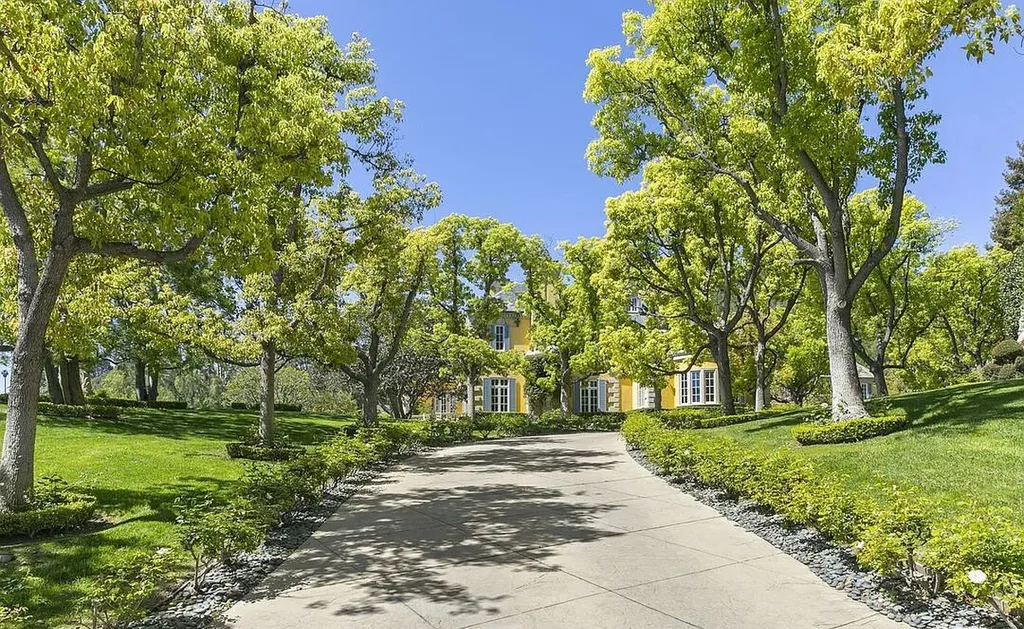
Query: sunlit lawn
[[136, 466], [966, 446]]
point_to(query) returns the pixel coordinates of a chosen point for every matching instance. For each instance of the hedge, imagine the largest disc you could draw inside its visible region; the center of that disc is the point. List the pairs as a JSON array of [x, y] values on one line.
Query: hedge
[[242, 406], [127, 403], [461, 429], [257, 452], [896, 534], [68, 410], [852, 429], [55, 506]]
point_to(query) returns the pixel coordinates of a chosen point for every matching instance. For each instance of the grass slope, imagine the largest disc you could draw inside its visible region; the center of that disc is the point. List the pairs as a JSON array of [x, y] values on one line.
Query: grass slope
[[136, 466], [965, 445]]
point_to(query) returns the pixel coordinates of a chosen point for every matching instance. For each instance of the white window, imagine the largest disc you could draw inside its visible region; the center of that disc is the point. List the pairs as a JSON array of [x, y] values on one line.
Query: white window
[[644, 396], [500, 388], [635, 305], [590, 399], [865, 390], [446, 404], [499, 337], [698, 386], [709, 386]]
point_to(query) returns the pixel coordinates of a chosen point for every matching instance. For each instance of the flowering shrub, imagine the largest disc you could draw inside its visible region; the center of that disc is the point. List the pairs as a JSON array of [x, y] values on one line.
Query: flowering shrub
[[851, 429]]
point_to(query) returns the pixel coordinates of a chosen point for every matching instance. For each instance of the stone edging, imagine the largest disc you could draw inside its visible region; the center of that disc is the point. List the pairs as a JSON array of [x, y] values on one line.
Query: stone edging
[[836, 565]]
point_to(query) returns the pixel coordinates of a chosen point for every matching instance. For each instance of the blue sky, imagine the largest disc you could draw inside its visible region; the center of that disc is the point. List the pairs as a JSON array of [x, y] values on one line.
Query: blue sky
[[495, 113]]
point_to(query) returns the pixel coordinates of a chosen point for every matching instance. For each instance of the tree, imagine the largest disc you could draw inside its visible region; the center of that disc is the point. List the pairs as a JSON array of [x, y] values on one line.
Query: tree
[[1008, 220], [417, 373], [971, 315], [145, 131], [693, 251], [567, 312], [895, 308], [774, 96], [475, 260]]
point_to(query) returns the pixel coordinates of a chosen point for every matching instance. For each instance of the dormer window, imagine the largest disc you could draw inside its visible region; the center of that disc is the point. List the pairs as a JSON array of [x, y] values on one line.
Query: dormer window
[[500, 339]]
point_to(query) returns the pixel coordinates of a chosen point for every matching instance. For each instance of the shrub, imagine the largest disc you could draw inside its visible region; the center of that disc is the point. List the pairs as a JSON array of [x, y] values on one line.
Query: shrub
[[896, 532], [103, 400], [68, 410], [510, 424], [851, 429], [210, 530], [449, 430], [684, 417], [242, 406], [716, 421], [15, 617], [981, 555], [125, 587], [1006, 352], [55, 506], [3, 400]]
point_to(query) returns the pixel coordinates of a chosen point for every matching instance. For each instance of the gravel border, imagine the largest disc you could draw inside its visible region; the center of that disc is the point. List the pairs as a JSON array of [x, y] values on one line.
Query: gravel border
[[836, 565], [225, 585]]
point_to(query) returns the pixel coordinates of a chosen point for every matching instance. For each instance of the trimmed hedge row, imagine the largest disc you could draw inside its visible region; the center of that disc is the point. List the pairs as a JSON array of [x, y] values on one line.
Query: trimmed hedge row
[[257, 452], [242, 406], [852, 430], [896, 534], [461, 429], [99, 400], [68, 410]]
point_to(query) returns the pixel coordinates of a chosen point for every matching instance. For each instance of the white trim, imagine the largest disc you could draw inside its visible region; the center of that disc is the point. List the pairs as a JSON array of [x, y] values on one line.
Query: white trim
[[590, 396], [502, 390], [688, 395]]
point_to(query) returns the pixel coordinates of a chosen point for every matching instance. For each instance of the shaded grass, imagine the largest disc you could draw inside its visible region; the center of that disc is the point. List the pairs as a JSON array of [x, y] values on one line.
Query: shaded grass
[[136, 466], [965, 446]]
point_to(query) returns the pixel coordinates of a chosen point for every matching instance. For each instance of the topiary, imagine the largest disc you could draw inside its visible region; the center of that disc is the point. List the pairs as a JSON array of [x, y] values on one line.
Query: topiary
[[1006, 352]]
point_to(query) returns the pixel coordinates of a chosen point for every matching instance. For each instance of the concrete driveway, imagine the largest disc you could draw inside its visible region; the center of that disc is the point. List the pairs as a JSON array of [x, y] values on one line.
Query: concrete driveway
[[545, 532]]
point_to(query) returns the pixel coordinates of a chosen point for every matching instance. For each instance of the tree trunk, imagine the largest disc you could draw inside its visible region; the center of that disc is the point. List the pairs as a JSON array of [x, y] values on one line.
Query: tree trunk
[[719, 344], [847, 400], [470, 409], [87, 384], [268, 372], [65, 381], [74, 377], [878, 371], [761, 384], [371, 403], [141, 390], [36, 301], [565, 383], [56, 393], [153, 388]]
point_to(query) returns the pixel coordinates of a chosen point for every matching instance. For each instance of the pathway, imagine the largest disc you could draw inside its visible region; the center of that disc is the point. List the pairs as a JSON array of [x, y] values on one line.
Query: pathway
[[544, 532]]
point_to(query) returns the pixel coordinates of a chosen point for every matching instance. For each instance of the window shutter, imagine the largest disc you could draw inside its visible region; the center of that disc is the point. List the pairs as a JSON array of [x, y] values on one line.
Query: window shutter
[[576, 397], [487, 395], [494, 336], [508, 337], [513, 394], [602, 396]]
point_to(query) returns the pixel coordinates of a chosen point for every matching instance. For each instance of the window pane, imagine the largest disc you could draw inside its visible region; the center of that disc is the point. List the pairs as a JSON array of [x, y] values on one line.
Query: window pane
[[684, 389], [709, 386], [695, 387]]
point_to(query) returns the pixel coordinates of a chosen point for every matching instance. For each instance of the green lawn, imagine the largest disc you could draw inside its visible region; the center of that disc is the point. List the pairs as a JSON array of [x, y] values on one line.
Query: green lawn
[[966, 446], [136, 466]]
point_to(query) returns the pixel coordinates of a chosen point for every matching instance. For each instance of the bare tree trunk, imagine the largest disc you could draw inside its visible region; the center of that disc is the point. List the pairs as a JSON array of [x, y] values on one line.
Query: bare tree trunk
[[74, 378], [470, 396], [847, 400], [371, 402], [65, 381], [36, 301], [719, 344], [761, 384], [141, 391], [153, 388], [878, 371], [565, 383], [53, 387], [268, 372]]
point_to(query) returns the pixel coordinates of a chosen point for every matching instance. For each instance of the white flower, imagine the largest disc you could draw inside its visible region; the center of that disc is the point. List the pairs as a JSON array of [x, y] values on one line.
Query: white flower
[[859, 545], [977, 576], [163, 551]]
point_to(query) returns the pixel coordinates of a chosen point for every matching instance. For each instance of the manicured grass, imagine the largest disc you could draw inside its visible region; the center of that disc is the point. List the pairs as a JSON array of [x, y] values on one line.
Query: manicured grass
[[136, 466], [965, 445]]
